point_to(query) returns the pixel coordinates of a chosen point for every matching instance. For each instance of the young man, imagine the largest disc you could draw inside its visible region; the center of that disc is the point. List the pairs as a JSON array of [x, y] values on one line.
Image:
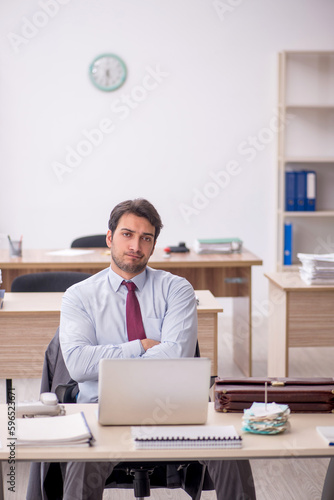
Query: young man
[[94, 325]]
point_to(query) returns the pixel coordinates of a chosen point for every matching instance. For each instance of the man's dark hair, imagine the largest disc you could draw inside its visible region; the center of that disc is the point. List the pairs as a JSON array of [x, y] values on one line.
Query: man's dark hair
[[139, 207]]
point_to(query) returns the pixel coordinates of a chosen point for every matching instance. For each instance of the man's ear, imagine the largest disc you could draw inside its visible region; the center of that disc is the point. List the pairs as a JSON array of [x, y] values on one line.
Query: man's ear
[[109, 238]]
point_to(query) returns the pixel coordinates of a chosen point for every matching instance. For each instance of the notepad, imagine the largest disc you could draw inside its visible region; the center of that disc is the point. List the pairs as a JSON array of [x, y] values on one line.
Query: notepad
[[327, 432], [191, 436], [67, 430]]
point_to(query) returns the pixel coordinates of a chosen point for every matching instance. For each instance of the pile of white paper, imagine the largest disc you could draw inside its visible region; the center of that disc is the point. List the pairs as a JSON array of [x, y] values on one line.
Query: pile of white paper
[[317, 269]]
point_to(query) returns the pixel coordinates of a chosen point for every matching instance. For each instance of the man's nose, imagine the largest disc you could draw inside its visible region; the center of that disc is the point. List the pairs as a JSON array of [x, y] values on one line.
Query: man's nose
[[135, 244]]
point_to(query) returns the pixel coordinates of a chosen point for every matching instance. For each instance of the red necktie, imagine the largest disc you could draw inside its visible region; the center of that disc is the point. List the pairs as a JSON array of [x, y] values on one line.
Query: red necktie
[[134, 322]]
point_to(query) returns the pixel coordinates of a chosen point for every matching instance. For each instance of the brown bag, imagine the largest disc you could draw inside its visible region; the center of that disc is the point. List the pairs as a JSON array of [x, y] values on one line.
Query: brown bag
[[312, 395]]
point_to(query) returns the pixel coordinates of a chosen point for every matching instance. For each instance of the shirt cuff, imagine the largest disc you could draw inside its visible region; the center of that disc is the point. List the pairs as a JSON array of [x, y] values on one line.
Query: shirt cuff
[[133, 349]]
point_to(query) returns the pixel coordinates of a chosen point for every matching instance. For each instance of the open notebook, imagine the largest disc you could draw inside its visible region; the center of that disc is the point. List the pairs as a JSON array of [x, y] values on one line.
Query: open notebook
[[154, 391]]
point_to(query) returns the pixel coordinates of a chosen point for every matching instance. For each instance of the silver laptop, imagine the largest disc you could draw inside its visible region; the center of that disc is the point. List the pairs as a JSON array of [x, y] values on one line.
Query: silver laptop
[[154, 391]]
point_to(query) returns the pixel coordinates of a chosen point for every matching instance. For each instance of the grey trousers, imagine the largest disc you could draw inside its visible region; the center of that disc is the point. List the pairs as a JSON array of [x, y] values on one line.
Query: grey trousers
[[232, 479]]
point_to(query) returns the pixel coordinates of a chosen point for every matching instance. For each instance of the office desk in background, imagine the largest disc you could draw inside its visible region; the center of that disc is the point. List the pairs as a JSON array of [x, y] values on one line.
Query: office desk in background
[[300, 316], [225, 275], [28, 321]]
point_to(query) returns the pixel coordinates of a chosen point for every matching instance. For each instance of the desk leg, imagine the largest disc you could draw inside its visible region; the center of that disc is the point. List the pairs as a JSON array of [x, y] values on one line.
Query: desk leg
[[278, 359], [9, 389], [207, 338], [242, 334], [2, 495]]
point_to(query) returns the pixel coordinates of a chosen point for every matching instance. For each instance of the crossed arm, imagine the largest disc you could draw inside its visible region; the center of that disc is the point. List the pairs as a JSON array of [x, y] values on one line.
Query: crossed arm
[[86, 339]]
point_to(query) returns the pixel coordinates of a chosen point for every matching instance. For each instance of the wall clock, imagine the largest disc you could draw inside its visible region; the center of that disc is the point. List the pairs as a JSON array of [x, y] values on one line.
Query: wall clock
[[107, 72]]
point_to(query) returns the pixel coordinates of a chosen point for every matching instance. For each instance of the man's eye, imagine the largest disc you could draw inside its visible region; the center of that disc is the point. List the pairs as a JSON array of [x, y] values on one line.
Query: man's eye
[[126, 234], [147, 238]]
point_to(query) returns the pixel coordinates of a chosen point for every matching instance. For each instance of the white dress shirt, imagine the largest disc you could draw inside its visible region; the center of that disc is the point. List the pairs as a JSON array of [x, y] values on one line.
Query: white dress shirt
[[93, 323]]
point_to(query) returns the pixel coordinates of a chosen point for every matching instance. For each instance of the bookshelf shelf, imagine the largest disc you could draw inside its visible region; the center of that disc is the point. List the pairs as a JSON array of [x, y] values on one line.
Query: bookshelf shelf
[[326, 107], [307, 159], [317, 213], [305, 142]]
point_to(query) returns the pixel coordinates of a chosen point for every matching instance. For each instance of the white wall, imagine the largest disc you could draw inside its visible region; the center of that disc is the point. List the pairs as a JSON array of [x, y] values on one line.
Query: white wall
[[217, 93]]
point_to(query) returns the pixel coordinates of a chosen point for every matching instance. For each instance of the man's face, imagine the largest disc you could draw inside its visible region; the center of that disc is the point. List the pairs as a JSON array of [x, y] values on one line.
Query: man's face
[[131, 245]]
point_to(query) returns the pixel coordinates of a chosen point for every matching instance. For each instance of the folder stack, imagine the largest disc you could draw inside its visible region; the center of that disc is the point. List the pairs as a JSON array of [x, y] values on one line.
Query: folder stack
[[218, 245], [300, 191]]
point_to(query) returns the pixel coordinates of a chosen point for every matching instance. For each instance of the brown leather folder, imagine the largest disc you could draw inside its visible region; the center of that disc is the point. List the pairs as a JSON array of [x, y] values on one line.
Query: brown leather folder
[[313, 395]]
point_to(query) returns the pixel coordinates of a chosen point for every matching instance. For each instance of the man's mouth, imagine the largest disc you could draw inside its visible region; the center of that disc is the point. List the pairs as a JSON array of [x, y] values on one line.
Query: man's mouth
[[134, 256]]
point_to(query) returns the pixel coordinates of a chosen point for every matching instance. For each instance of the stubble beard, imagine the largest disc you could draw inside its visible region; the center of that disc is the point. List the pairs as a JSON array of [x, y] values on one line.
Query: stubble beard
[[134, 268]]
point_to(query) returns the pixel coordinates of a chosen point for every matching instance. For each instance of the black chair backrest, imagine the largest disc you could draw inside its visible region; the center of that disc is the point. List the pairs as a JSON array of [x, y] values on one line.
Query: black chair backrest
[[47, 281], [94, 241]]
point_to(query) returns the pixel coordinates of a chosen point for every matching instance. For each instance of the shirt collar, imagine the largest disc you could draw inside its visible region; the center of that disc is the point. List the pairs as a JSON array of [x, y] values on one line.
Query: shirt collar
[[116, 280]]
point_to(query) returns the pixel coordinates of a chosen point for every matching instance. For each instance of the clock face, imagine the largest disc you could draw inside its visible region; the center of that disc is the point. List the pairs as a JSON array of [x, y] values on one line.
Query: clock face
[[107, 72]]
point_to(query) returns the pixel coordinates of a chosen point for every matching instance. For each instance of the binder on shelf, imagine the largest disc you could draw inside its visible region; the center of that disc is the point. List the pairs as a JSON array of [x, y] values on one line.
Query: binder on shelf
[[290, 191], [287, 244], [192, 436], [301, 191], [311, 190]]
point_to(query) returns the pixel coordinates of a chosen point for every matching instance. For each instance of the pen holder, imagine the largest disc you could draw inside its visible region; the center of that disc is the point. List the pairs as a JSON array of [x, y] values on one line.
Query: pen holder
[[15, 248]]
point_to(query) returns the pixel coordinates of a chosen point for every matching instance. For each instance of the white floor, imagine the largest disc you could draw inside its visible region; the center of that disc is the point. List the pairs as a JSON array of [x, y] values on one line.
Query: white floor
[[292, 479]]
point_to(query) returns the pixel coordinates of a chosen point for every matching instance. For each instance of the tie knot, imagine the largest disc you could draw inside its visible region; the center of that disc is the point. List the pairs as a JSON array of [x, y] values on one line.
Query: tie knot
[[129, 285]]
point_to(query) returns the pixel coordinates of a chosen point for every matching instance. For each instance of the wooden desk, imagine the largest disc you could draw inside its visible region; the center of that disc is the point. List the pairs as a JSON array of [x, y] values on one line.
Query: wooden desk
[[225, 275], [301, 440], [300, 316], [115, 443], [28, 321]]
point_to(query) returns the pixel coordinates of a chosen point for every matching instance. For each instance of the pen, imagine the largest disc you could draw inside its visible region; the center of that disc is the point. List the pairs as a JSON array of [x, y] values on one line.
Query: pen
[[10, 241]]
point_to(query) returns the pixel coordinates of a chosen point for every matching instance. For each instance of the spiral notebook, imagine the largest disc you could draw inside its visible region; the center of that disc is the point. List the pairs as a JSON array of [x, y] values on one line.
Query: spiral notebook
[[190, 436]]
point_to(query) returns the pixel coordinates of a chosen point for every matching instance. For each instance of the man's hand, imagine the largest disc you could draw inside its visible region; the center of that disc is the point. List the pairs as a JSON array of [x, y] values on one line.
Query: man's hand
[[148, 343]]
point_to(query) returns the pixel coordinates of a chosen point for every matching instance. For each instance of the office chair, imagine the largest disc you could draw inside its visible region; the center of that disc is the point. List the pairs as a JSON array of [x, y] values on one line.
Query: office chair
[[94, 241], [47, 478], [44, 282], [48, 281]]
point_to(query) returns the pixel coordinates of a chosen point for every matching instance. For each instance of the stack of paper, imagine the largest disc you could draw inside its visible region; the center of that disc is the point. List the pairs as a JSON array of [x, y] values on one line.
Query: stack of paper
[[69, 430], [268, 418], [317, 269], [218, 245]]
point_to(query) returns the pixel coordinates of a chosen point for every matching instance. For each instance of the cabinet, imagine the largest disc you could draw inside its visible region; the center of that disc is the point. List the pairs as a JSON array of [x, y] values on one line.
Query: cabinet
[[306, 142]]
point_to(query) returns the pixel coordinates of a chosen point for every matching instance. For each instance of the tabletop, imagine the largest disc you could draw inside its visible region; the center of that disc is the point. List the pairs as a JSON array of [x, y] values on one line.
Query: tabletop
[[291, 281], [115, 442], [98, 256]]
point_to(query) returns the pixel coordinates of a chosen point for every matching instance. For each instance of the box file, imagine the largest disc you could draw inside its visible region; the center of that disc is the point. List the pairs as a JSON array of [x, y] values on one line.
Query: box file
[[287, 244], [290, 191], [301, 191], [311, 188]]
